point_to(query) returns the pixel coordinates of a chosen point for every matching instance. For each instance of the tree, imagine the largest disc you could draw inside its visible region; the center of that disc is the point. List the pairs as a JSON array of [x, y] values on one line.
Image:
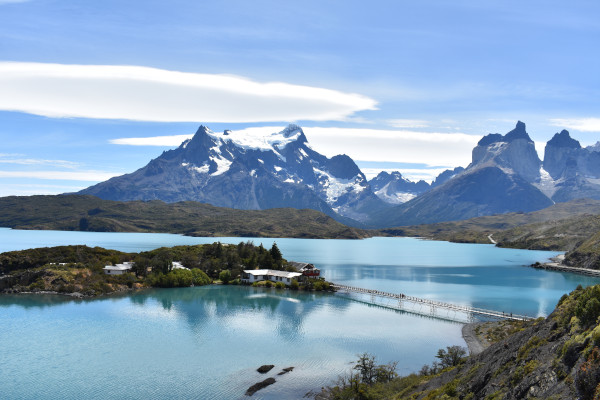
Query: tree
[[275, 253], [225, 276], [452, 356], [366, 368], [140, 266]]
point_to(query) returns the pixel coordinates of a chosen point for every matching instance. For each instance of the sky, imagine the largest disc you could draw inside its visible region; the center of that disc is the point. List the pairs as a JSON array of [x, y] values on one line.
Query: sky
[[91, 90]]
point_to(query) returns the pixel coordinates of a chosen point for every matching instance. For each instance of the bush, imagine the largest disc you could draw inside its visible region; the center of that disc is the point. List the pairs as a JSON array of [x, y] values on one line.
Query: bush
[[294, 285], [280, 285], [452, 356], [588, 375], [199, 278], [225, 276], [587, 308], [321, 285]]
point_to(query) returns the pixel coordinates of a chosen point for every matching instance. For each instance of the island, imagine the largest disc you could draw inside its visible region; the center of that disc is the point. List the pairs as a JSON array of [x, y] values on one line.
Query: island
[[82, 271]]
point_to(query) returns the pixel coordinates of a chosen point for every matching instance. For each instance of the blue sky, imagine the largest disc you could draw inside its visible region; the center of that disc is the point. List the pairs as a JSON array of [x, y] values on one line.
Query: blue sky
[[394, 84]]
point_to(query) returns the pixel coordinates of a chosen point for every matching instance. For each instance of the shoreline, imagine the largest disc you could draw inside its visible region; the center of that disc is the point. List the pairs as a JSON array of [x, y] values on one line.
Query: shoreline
[[474, 343], [557, 264]]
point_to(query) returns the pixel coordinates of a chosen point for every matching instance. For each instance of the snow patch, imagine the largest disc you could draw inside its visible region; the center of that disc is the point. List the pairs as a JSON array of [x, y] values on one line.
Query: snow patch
[[394, 198], [290, 180], [303, 152], [337, 187], [223, 165], [253, 172], [260, 161], [277, 168], [203, 169], [258, 138], [546, 184]]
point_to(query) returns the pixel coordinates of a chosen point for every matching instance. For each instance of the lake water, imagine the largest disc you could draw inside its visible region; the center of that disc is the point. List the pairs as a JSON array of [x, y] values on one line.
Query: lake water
[[207, 342]]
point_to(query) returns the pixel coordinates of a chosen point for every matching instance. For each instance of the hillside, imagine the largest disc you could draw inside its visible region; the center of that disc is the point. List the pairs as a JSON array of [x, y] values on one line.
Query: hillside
[[553, 358], [89, 213], [508, 228]]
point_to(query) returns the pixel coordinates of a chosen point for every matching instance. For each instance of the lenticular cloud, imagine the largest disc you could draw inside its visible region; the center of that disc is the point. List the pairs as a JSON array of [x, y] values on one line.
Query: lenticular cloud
[[150, 94]]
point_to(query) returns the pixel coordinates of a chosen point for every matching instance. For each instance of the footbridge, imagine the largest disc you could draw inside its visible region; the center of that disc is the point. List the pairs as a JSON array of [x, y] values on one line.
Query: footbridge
[[428, 307]]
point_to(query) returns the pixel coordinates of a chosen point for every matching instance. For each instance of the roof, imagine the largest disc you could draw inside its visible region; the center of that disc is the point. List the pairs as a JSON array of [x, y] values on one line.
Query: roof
[[272, 272], [178, 265], [297, 264], [119, 267]]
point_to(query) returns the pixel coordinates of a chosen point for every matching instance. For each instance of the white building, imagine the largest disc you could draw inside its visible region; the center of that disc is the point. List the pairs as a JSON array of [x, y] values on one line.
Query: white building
[[256, 275], [178, 265], [118, 269]]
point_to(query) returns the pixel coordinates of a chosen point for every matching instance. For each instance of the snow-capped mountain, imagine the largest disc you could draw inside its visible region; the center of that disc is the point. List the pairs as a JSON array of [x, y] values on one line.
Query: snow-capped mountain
[[393, 188], [500, 179], [249, 171]]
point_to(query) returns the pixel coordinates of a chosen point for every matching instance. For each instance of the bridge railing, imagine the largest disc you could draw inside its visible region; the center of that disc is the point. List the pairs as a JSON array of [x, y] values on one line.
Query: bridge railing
[[435, 303]]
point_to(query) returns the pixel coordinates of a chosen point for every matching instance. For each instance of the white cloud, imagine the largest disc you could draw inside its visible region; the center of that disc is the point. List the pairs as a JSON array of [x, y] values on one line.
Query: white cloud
[[85, 176], [408, 123], [34, 189], [33, 161], [430, 148], [163, 141], [150, 94], [578, 124]]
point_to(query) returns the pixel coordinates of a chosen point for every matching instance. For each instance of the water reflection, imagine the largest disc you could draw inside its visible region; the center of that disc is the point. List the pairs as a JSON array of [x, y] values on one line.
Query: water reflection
[[287, 309]]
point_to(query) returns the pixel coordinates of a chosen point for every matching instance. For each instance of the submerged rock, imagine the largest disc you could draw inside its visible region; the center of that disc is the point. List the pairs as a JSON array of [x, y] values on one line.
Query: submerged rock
[[263, 369], [286, 370], [259, 385]]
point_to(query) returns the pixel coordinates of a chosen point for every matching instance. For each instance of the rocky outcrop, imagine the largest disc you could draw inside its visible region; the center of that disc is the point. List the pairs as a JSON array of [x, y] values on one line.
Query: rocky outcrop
[[575, 170], [514, 152], [553, 358], [560, 153], [446, 176]]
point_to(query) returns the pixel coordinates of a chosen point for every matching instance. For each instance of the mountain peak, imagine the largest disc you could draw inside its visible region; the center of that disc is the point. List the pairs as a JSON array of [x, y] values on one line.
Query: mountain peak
[[518, 133], [202, 129], [291, 130], [563, 139]]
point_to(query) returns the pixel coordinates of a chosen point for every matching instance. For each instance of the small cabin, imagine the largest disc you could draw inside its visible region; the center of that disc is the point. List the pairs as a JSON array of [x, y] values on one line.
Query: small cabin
[[306, 269], [118, 269]]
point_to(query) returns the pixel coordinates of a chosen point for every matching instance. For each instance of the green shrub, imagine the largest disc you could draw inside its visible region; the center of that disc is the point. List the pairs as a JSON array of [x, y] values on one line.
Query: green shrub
[[225, 276], [199, 278], [294, 285], [280, 285]]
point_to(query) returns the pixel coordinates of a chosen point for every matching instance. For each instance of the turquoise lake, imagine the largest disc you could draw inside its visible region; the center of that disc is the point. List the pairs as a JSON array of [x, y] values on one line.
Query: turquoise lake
[[206, 343]]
